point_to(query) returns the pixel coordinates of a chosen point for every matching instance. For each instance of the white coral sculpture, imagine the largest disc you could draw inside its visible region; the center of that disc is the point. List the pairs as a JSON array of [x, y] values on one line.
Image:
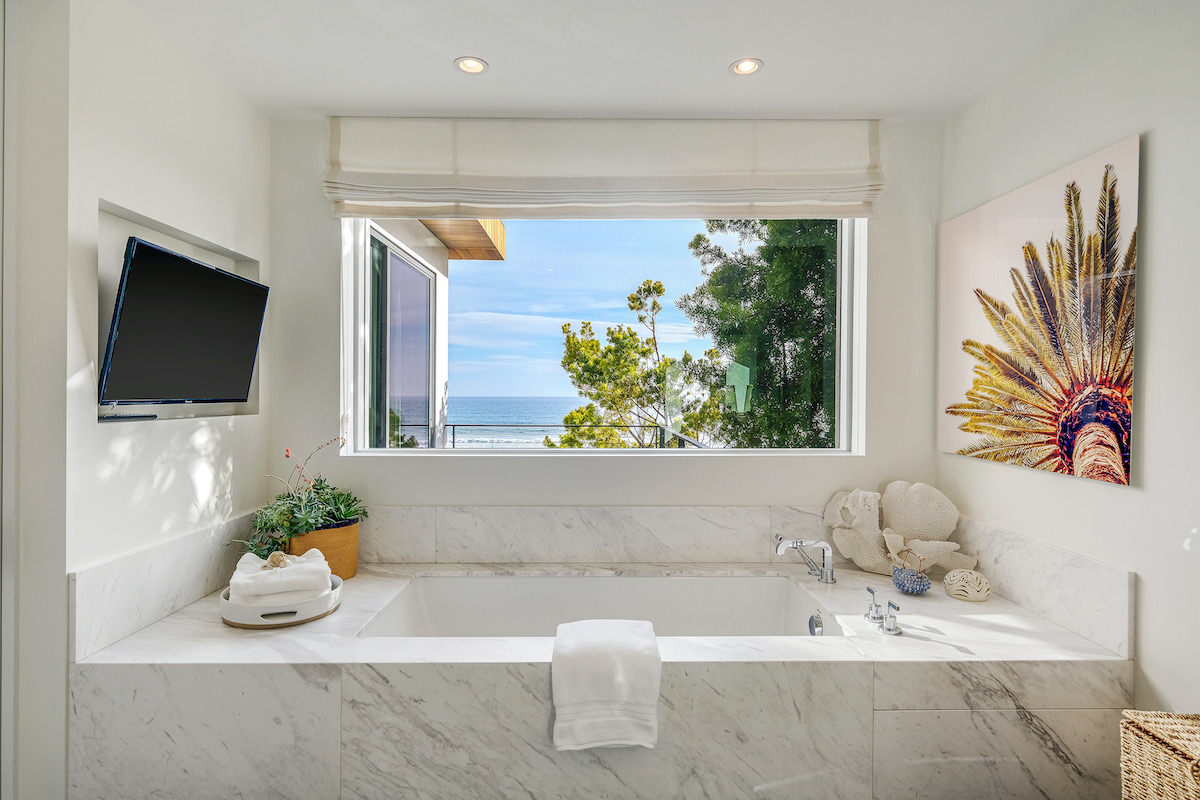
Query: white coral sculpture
[[854, 517], [917, 518]]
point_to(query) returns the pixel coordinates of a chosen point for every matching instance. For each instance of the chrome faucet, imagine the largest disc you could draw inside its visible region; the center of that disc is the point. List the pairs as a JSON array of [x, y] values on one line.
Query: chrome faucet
[[824, 572], [874, 610], [889, 624]]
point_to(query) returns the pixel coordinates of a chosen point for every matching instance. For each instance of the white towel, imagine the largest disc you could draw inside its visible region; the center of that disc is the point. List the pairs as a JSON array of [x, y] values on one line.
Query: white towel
[[310, 573], [604, 680], [277, 599]]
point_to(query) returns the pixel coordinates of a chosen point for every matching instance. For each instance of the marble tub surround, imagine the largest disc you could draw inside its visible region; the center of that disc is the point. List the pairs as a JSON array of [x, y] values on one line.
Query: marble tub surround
[[111, 600], [114, 598], [728, 730], [1084, 595], [205, 731], [1062, 754], [852, 716], [937, 627], [1002, 685]]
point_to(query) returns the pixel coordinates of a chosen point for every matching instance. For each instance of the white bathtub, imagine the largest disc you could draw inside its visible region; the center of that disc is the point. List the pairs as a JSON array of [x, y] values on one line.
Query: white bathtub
[[518, 606]]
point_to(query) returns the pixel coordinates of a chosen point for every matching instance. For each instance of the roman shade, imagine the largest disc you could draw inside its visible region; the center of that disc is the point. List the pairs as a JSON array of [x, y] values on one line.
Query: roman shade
[[587, 168]]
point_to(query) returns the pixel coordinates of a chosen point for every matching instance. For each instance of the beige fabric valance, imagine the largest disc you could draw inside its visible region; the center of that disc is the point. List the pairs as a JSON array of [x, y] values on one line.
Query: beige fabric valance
[[563, 168]]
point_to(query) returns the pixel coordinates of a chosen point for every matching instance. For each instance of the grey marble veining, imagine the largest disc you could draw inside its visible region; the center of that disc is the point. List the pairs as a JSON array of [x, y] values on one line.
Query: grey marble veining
[[734, 730], [901, 685], [1054, 754], [113, 599], [194, 732], [1089, 597], [397, 535], [603, 533]]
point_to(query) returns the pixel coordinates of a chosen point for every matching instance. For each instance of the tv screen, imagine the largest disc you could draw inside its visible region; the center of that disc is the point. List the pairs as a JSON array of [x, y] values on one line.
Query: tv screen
[[181, 331]]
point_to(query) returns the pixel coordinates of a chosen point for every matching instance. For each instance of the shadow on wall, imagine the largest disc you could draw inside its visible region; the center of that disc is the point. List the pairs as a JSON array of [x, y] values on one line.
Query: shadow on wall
[[181, 469]]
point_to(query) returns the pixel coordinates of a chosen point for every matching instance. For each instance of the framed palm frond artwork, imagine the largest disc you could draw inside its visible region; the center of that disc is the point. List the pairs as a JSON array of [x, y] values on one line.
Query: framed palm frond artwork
[[1036, 322]]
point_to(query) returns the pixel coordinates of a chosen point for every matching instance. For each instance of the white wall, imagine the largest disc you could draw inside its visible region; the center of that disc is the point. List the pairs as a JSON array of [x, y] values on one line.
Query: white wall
[[154, 133], [106, 108], [305, 251], [1124, 68]]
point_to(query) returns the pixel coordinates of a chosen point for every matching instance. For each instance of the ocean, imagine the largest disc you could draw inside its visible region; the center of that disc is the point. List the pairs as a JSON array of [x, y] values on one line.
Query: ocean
[[545, 413]]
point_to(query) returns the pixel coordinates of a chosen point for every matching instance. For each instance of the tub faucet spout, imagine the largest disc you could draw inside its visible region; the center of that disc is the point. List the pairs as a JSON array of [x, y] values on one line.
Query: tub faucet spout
[[824, 572]]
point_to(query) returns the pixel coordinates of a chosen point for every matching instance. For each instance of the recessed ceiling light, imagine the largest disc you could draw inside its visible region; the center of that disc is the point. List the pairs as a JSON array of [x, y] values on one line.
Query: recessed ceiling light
[[471, 64], [745, 66]]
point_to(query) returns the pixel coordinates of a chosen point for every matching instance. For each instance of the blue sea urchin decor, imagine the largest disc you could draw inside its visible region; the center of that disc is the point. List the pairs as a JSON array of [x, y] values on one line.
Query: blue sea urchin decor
[[910, 581]]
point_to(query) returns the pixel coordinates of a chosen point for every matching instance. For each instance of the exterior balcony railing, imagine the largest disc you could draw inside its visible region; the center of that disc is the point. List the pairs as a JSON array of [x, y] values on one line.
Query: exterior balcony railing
[[459, 435]]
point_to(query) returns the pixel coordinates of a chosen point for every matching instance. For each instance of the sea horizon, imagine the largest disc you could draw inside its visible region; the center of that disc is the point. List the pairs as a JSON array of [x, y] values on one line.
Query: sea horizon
[[498, 421]]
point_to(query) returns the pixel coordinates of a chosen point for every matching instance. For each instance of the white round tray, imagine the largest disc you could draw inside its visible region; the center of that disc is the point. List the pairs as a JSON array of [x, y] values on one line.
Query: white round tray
[[281, 616]]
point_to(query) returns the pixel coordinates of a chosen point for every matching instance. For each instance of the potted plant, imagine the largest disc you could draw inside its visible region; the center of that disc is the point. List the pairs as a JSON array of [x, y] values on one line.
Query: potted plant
[[310, 514]]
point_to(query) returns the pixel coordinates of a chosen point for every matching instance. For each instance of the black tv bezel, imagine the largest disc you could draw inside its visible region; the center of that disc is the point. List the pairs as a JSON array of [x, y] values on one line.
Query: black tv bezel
[[130, 250]]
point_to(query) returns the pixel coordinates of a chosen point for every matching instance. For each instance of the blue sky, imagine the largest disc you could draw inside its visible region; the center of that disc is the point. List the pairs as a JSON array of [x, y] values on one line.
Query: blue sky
[[506, 317]]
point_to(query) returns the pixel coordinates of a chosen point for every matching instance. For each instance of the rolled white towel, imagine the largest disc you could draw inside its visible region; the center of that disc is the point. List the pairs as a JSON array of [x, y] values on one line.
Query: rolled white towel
[[308, 573], [605, 677]]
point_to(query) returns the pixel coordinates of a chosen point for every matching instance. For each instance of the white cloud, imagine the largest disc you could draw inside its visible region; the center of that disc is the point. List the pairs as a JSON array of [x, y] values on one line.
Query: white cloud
[[506, 362]]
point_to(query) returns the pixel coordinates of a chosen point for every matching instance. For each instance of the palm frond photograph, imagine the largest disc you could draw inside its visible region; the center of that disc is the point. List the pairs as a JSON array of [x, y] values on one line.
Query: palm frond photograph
[[1050, 355]]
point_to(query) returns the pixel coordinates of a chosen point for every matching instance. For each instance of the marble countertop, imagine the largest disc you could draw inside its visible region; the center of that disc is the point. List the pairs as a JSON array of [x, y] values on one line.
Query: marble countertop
[[936, 627]]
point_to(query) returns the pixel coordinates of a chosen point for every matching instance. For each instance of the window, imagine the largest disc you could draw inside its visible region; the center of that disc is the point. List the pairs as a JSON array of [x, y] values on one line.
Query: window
[[397, 363], [632, 334], [401, 327]]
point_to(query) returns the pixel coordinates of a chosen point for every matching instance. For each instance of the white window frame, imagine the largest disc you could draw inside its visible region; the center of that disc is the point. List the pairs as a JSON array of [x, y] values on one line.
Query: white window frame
[[356, 334], [852, 339], [850, 400]]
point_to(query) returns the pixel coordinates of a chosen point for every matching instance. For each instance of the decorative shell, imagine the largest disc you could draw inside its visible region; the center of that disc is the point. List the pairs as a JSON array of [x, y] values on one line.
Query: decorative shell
[[967, 584], [279, 560]]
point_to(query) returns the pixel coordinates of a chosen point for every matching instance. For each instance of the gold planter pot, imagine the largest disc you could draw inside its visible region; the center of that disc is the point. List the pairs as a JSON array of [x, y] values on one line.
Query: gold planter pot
[[339, 544]]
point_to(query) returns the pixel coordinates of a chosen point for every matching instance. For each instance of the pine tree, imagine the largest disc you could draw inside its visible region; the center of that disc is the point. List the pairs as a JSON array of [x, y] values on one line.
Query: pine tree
[[771, 305]]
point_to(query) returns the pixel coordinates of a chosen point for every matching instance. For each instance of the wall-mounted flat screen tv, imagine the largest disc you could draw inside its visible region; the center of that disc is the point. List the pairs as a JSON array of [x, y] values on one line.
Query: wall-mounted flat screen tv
[[182, 331]]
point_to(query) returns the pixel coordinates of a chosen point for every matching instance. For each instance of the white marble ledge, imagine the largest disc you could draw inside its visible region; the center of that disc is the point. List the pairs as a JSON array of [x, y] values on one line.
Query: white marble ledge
[[937, 627]]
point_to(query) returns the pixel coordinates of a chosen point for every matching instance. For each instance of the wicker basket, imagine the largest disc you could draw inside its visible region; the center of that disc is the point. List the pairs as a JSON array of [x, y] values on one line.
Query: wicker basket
[[339, 545], [1160, 756]]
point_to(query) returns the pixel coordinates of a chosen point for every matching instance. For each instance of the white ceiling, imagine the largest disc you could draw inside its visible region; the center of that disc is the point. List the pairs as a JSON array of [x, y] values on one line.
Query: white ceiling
[[613, 58]]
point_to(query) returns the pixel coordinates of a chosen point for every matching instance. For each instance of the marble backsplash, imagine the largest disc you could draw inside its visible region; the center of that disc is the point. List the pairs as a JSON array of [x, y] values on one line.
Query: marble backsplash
[[115, 598], [536, 534], [1085, 596]]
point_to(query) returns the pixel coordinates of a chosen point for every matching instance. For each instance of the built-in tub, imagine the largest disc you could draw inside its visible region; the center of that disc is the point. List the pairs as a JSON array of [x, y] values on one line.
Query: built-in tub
[[974, 699], [534, 605]]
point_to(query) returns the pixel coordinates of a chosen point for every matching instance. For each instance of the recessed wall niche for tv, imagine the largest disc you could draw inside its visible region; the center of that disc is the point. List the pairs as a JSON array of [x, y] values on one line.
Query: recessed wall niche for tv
[[182, 331]]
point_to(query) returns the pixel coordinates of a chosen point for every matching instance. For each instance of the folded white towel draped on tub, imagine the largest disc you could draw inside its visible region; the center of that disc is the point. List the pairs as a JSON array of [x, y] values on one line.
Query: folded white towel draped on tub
[[251, 584], [604, 681]]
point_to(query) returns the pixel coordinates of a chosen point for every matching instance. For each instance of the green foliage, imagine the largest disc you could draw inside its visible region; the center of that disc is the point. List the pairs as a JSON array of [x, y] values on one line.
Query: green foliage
[[772, 308], [396, 437], [308, 504], [592, 433], [629, 383]]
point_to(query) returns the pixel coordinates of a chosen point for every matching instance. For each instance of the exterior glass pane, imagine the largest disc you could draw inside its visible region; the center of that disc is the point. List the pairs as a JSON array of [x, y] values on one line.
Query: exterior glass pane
[[410, 321]]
